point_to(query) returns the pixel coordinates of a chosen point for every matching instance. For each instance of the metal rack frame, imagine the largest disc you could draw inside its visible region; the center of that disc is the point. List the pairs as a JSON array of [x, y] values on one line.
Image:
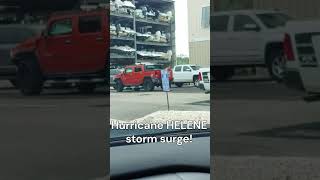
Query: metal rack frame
[[128, 18]]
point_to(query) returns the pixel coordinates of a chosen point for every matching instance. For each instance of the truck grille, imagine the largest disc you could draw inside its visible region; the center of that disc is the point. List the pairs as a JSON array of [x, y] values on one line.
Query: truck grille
[[305, 49]]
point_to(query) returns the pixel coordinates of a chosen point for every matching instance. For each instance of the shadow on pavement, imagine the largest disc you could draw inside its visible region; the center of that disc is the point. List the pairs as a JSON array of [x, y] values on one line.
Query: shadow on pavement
[[300, 131], [256, 89]]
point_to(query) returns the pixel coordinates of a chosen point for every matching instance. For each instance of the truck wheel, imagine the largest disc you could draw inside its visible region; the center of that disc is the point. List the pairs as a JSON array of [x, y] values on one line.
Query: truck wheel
[[13, 83], [196, 81], [86, 88], [29, 77], [148, 85], [179, 84], [223, 73], [119, 86], [276, 64]]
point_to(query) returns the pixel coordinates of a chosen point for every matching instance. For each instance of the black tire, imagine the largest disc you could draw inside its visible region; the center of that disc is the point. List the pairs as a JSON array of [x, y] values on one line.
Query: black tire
[[276, 64], [196, 81], [14, 83], [223, 73], [87, 88], [148, 85], [29, 77], [119, 86], [179, 84]]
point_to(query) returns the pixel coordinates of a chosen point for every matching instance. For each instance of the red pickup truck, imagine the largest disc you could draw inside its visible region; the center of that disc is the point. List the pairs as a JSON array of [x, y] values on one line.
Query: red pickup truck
[[148, 76], [73, 48]]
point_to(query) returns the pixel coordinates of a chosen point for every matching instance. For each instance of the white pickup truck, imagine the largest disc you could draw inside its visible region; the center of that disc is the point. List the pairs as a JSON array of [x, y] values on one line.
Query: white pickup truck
[[247, 38], [302, 54]]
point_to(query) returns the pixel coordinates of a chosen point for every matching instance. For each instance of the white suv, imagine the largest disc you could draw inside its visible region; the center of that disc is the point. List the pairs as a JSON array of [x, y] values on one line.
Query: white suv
[[247, 38], [185, 74]]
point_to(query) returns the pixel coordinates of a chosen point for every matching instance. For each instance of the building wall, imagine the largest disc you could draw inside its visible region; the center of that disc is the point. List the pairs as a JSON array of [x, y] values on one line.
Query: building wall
[[199, 38], [200, 53]]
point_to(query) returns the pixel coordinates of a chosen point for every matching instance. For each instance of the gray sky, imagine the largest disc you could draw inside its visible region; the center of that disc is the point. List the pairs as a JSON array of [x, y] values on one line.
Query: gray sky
[[182, 42]]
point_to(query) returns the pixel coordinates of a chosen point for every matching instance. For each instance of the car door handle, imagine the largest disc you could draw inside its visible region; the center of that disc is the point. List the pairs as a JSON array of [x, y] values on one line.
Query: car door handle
[[67, 41], [99, 39]]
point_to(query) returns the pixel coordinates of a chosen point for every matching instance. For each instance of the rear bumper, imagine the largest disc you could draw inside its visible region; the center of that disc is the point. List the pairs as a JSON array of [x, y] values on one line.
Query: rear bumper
[[292, 79], [201, 86]]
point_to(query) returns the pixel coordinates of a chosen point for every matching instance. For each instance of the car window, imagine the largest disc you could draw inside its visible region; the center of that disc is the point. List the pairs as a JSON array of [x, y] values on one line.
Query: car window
[[220, 23], [241, 20], [178, 69], [195, 68], [153, 67], [186, 69], [90, 24], [129, 70], [61, 27], [138, 69], [274, 20]]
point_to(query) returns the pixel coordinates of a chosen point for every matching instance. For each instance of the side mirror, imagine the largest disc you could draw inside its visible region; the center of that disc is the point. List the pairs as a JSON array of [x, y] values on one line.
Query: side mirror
[[251, 27]]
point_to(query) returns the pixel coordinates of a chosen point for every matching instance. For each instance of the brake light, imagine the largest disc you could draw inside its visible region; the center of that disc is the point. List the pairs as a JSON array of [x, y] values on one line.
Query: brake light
[[288, 49], [158, 74], [200, 77]]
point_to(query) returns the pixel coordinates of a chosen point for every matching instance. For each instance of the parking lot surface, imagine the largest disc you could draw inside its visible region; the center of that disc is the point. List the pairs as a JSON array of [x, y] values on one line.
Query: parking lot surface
[[57, 135], [130, 105], [264, 118]]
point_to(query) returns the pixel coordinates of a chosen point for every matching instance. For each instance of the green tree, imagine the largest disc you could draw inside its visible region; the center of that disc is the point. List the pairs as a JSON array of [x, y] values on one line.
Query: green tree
[[182, 60]]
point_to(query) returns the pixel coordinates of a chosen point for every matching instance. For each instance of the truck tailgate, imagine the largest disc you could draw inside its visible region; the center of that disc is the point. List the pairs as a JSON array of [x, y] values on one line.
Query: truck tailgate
[[310, 67]]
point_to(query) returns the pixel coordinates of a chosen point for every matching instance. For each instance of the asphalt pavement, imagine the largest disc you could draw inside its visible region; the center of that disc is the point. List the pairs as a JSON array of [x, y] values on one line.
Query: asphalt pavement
[[131, 105], [263, 130], [57, 135], [264, 118]]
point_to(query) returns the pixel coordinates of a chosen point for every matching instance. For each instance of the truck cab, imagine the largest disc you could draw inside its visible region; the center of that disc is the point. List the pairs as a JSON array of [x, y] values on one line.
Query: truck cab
[[73, 48]]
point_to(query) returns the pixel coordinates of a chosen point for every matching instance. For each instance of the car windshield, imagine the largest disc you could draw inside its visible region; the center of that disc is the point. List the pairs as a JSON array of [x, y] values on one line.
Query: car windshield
[[195, 68], [274, 20]]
